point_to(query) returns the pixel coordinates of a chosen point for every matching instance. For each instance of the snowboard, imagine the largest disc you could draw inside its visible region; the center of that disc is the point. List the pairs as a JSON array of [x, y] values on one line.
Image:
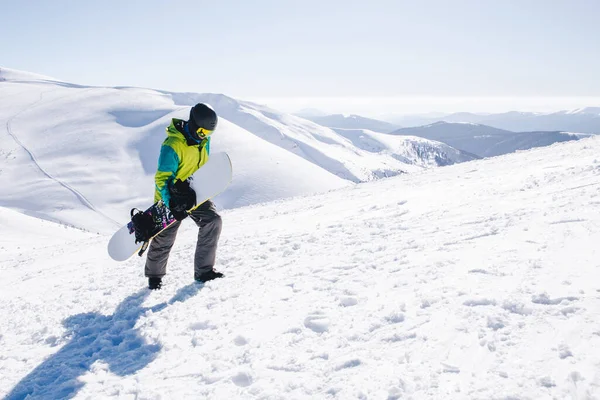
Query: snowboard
[[210, 180]]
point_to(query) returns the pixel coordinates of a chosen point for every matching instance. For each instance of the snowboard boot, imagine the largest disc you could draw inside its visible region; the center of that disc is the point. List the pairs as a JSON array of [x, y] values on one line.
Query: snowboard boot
[[208, 276], [154, 283]]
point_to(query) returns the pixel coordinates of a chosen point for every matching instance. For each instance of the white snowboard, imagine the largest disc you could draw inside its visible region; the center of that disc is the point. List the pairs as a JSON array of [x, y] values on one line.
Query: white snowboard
[[210, 180]]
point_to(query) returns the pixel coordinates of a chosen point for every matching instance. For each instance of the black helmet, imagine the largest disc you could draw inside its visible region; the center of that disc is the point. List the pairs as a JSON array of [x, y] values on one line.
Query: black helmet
[[202, 116]]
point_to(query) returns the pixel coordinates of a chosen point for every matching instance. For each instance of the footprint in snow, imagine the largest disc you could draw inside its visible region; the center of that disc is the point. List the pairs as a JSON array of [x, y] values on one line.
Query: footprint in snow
[[349, 364], [317, 322], [546, 382], [516, 308], [450, 369], [202, 325], [564, 352], [240, 340], [395, 393], [395, 318], [348, 301], [495, 323], [242, 379], [400, 337], [546, 300], [479, 302]]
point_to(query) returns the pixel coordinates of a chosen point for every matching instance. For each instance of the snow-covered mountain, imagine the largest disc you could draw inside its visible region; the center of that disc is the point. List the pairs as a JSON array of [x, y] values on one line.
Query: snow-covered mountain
[[475, 281], [443, 131], [353, 122], [583, 120], [68, 149], [78, 154], [483, 140], [406, 149], [315, 143]]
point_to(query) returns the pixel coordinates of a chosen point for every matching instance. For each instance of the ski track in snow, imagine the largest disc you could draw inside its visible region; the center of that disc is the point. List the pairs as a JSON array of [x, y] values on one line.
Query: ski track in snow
[[77, 194]]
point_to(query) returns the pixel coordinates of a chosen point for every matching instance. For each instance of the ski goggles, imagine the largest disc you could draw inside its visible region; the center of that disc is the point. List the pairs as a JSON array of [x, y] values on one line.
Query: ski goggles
[[203, 133]]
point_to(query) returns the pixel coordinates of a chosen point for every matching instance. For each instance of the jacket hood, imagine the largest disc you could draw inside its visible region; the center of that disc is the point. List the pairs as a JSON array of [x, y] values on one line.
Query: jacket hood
[[176, 129]]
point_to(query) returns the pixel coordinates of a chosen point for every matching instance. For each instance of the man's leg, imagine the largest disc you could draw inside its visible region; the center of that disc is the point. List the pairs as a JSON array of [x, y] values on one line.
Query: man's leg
[[210, 224], [158, 253]]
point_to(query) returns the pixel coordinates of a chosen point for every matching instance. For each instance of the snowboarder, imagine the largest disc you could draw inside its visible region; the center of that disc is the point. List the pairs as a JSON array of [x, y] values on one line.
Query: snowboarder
[[184, 151]]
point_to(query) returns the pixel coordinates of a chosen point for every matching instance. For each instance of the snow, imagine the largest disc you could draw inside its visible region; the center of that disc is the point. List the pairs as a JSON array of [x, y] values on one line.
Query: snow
[[477, 280]]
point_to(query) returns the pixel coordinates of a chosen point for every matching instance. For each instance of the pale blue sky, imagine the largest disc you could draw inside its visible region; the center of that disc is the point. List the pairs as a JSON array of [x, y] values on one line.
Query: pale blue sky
[[306, 49]]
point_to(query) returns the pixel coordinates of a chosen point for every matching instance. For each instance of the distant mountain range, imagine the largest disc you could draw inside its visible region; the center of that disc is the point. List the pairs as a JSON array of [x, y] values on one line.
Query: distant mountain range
[[486, 141], [477, 135], [327, 148], [351, 122], [583, 120]]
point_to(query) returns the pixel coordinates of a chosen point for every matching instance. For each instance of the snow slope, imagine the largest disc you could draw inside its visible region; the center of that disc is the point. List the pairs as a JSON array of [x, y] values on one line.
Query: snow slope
[[474, 281], [85, 156]]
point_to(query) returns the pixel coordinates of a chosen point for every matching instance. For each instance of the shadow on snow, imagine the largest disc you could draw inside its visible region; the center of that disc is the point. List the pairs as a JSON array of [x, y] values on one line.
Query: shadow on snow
[[112, 339]]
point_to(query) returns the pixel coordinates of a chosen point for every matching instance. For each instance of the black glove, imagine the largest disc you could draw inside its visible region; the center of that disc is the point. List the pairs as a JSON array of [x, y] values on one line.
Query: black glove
[[182, 199], [143, 225]]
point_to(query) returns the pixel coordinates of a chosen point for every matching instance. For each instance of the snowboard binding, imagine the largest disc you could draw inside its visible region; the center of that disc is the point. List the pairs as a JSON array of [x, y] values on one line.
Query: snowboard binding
[[143, 225]]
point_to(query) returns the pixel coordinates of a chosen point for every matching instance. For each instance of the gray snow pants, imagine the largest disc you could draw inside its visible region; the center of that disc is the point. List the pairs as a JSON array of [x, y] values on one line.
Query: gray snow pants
[[210, 224]]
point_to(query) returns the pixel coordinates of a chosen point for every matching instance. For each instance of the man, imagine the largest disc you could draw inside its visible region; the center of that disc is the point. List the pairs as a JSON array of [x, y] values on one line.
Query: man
[[185, 150]]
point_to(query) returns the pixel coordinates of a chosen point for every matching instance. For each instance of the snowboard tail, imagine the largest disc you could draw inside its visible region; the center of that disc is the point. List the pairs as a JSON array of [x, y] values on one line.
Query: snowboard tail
[[209, 181]]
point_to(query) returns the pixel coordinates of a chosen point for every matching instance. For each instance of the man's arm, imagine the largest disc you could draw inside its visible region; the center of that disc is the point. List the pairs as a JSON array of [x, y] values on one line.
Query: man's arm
[[168, 162]]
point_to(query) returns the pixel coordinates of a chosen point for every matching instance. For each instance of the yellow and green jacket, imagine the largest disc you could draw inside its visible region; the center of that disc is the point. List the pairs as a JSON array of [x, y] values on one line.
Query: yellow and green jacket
[[179, 159]]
